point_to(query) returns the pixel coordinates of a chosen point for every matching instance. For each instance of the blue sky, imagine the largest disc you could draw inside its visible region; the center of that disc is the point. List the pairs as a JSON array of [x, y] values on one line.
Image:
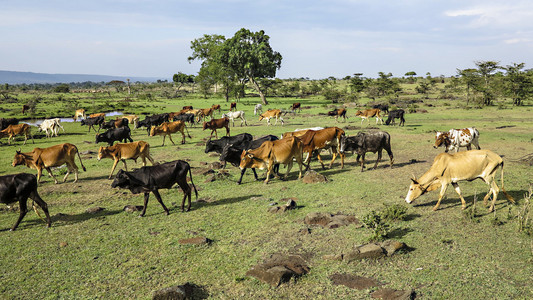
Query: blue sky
[[317, 39]]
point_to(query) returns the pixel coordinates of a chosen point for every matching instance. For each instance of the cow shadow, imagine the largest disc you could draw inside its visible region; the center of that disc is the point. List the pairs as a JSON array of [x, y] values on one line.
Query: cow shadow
[[61, 219], [198, 205], [398, 233], [481, 210]]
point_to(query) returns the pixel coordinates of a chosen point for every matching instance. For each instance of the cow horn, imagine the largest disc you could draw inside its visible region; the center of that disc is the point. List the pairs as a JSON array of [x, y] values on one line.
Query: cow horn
[[19, 150]]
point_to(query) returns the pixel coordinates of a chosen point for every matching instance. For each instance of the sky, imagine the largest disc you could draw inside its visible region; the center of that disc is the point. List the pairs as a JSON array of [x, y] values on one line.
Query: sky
[[316, 39]]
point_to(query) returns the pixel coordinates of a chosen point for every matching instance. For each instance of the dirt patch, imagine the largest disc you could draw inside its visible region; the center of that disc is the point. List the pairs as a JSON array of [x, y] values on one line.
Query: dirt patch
[[330, 221], [279, 268], [354, 281], [390, 294]]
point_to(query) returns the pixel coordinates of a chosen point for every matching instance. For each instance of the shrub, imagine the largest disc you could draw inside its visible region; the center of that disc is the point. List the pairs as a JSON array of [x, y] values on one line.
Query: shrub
[[394, 212], [374, 221]]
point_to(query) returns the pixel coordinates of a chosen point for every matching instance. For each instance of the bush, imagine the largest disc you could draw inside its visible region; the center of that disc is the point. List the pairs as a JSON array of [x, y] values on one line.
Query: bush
[[374, 221], [394, 212]]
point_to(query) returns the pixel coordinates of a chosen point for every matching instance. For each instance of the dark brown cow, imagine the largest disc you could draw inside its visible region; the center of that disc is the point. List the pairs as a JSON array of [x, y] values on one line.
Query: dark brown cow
[[14, 130], [316, 140], [25, 108], [121, 152], [217, 124], [45, 158], [187, 107], [216, 107], [232, 106], [295, 106], [338, 112]]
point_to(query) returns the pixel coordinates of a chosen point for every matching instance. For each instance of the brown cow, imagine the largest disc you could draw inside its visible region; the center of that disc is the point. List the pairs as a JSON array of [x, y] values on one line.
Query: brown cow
[[215, 124], [369, 113], [45, 158], [216, 107], [187, 107], [295, 106], [25, 108], [97, 115], [232, 106], [121, 152], [204, 112], [274, 113], [271, 153], [18, 129], [299, 132], [316, 140], [170, 127], [79, 113], [338, 112]]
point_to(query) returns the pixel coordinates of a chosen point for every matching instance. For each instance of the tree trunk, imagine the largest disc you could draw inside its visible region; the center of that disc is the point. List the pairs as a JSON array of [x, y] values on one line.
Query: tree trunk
[[258, 89]]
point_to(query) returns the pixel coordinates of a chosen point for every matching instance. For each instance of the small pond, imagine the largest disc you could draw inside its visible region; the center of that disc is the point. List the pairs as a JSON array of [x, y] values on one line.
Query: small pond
[[37, 122]]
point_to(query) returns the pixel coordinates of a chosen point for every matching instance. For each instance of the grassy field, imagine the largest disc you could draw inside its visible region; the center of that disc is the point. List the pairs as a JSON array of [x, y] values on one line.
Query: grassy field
[[117, 255]]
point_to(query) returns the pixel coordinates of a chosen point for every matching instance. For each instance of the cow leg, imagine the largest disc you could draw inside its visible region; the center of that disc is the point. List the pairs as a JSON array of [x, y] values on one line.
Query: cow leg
[[269, 170], [441, 195], [289, 167], [158, 197], [187, 192], [319, 159], [170, 138], [146, 196], [182, 137], [458, 191], [23, 210], [379, 158], [35, 197], [227, 131], [49, 173], [469, 147], [391, 156], [69, 169], [495, 189]]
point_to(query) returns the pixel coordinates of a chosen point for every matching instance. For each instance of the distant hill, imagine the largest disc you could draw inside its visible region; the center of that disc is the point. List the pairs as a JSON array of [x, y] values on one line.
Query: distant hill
[[13, 77]]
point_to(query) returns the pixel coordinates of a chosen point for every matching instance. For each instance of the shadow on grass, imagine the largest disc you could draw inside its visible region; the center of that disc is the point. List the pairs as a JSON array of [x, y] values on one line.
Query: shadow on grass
[[398, 233], [197, 205]]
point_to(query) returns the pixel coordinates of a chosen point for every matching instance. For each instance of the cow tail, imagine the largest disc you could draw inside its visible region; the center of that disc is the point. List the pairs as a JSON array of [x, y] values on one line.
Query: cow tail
[[81, 162], [190, 176], [509, 197], [36, 211]]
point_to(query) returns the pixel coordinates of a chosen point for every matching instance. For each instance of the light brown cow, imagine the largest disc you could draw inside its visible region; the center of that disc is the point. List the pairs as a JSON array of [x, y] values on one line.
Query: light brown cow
[[45, 158], [299, 132], [327, 138], [274, 113], [216, 107], [97, 115], [271, 153], [18, 129], [369, 113], [132, 119], [79, 113], [452, 168], [217, 124], [204, 112], [121, 152], [170, 127]]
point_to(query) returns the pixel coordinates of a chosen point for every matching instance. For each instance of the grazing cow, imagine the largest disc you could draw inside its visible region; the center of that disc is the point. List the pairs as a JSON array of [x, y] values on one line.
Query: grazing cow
[[274, 113], [396, 114], [233, 105], [187, 107], [258, 108], [118, 123], [327, 138], [218, 145], [172, 115], [232, 115], [80, 113], [271, 153], [232, 153], [96, 115], [170, 127], [217, 124], [383, 107], [91, 122], [4, 122], [294, 106], [152, 178], [338, 112], [121, 152], [299, 132], [13, 130], [152, 120], [20, 187], [456, 138], [25, 108], [204, 112], [363, 142], [116, 134], [46, 158], [51, 127], [452, 168], [187, 118], [132, 119], [216, 107], [369, 113]]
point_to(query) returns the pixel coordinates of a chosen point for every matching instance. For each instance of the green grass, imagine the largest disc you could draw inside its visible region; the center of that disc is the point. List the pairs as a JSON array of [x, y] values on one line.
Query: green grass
[[117, 255]]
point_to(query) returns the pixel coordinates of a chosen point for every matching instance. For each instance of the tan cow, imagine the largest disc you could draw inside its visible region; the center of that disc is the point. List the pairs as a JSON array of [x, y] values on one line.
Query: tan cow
[[18, 129], [121, 152], [274, 113], [451, 168], [204, 112], [216, 107], [170, 127], [46, 158], [327, 138], [79, 113], [96, 115], [369, 113], [271, 153]]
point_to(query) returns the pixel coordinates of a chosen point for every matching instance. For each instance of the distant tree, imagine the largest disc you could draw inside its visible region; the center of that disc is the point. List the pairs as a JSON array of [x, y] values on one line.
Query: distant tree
[[117, 84], [470, 77], [487, 69], [411, 75], [62, 88], [423, 87], [385, 85], [356, 83], [518, 85], [182, 79]]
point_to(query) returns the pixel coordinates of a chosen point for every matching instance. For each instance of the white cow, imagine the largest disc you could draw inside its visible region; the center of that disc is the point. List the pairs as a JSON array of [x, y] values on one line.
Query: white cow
[[232, 115], [51, 127], [258, 109]]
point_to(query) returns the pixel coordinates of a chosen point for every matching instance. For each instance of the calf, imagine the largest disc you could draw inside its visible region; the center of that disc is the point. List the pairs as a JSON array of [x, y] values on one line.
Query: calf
[[218, 145], [113, 135], [132, 119], [20, 129], [396, 114], [274, 113], [91, 122], [20, 187], [170, 127], [216, 107], [4, 122], [46, 158], [338, 112], [187, 107], [294, 106], [152, 178], [363, 142], [258, 109], [233, 105], [217, 124], [369, 113], [121, 152], [118, 123], [456, 138], [232, 115]]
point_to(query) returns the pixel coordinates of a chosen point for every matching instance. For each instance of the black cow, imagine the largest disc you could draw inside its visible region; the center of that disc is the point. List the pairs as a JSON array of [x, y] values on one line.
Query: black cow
[[218, 145], [20, 187], [152, 178], [4, 122], [383, 107], [232, 153], [115, 123], [153, 120], [373, 141], [116, 134], [91, 122], [187, 118], [396, 114]]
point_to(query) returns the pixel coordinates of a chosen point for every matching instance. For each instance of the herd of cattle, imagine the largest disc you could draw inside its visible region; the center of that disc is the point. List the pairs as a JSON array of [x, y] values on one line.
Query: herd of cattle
[[241, 150]]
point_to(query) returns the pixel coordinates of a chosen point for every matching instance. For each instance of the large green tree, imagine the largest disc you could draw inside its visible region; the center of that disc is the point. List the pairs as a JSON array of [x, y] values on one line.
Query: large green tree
[[518, 85]]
